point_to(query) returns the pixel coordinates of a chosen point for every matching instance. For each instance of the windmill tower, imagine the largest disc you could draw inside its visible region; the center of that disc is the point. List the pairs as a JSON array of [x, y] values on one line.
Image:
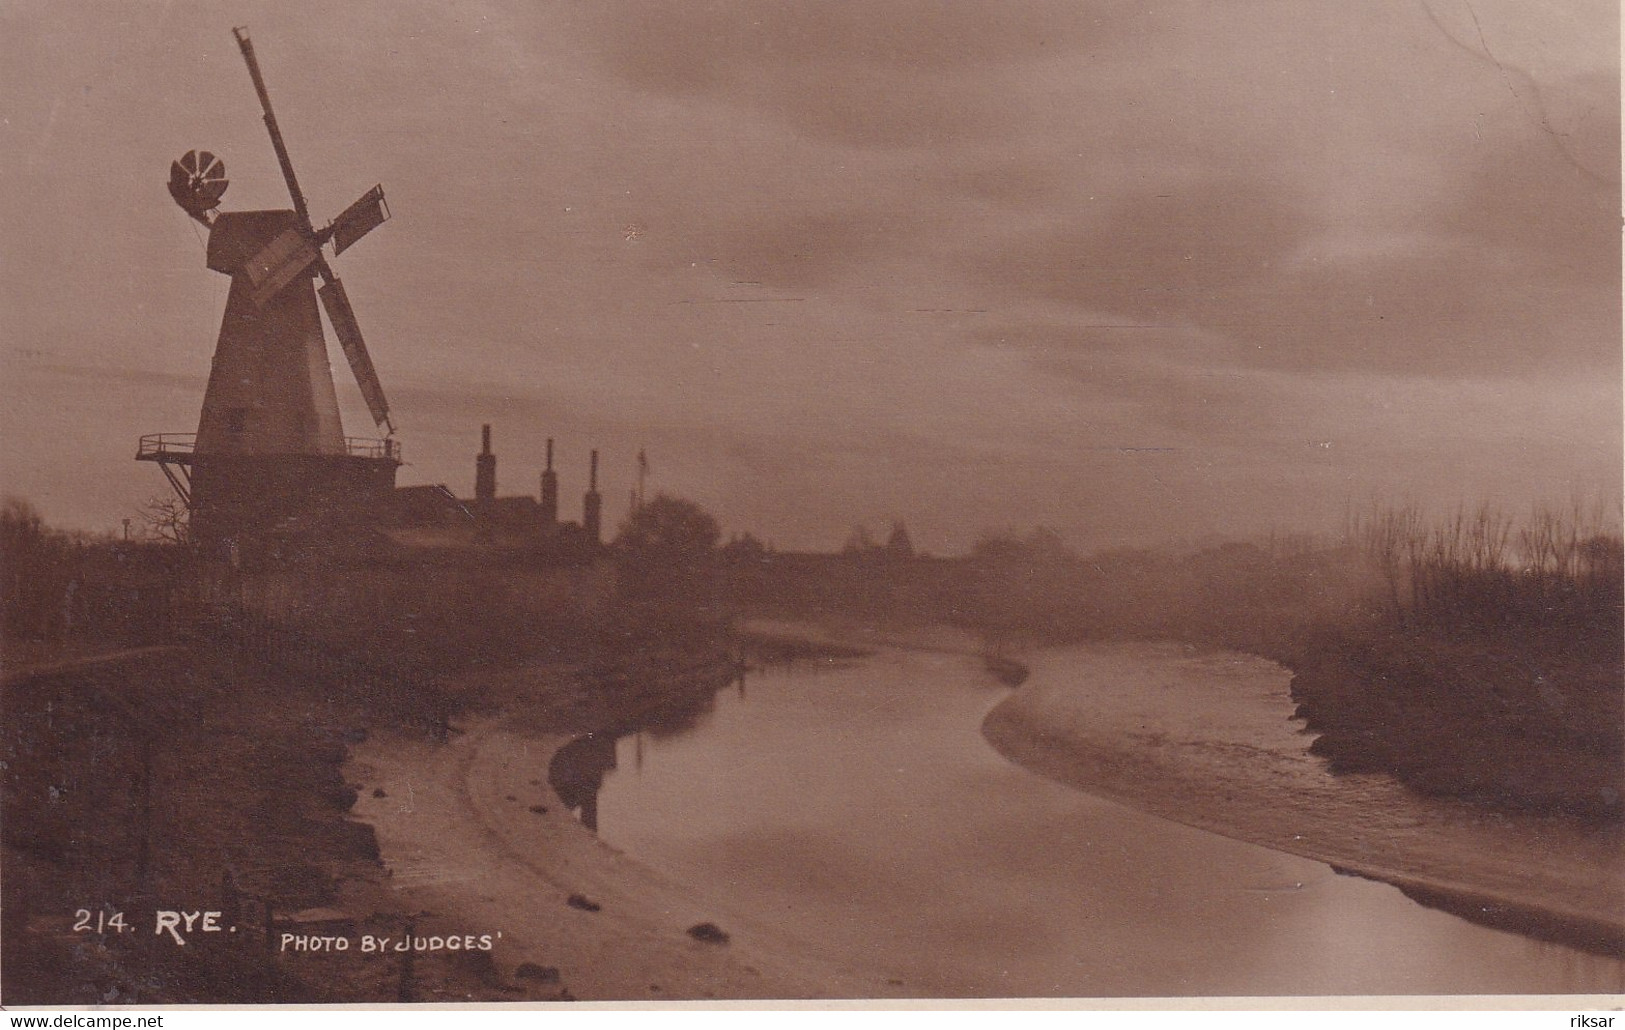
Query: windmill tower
[[270, 454]]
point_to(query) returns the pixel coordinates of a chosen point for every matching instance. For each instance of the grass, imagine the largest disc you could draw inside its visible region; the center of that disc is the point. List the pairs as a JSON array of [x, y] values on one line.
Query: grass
[[1488, 667]]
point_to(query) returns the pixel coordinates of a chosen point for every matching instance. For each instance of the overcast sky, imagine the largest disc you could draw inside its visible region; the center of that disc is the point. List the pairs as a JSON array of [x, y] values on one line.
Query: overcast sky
[[1136, 271]]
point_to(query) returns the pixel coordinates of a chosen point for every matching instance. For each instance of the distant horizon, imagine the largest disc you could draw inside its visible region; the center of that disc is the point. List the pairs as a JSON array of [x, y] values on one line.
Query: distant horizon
[[1594, 515]]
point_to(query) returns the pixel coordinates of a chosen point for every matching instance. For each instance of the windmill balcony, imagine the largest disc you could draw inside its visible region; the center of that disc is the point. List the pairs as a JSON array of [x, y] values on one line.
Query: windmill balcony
[[179, 448], [367, 447], [166, 447]]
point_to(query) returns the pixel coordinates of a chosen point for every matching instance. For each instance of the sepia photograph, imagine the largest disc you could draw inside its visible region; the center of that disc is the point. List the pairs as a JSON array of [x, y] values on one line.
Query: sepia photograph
[[534, 502]]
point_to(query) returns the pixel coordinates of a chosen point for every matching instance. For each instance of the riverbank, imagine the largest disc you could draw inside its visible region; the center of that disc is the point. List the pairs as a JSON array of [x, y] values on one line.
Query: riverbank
[[1531, 727], [1548, 876], [209, 779]]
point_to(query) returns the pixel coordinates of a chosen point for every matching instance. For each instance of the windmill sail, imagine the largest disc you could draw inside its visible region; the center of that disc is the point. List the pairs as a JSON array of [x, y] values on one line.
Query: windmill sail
[[337, 303], [359, 219], [279, 264], [299, 248], [281, 148]]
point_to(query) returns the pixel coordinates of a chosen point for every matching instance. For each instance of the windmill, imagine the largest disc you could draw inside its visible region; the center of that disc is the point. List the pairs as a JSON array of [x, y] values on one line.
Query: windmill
[[270, 452]]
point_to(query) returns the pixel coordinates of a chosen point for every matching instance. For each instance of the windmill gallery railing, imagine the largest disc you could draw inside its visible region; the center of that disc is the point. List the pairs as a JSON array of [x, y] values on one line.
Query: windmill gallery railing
[[180, 447]]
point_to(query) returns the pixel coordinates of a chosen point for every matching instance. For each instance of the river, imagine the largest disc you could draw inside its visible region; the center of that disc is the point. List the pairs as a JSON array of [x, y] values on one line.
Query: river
[[857, 806]]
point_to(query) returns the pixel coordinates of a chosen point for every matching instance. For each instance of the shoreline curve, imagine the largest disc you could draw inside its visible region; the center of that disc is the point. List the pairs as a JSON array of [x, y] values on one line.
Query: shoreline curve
[[1554, 896]]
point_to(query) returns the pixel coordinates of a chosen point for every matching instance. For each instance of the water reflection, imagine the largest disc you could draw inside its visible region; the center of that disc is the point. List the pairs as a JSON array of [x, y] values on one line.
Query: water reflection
[[576, 773], [659, 704]]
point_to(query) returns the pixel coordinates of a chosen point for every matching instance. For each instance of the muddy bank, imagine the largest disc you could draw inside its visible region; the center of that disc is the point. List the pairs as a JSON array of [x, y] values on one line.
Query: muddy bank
[[1524, 730], [1548, 876]]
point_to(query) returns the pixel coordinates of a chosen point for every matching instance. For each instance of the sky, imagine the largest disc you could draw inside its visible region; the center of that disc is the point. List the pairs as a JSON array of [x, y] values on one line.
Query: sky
[[1139, 272]]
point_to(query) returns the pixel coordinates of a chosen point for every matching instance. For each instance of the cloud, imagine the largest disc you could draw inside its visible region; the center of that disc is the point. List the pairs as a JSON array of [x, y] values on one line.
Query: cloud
[[1168, 254], [700, 44], [886, 73], [1514, 270], [798, 250]]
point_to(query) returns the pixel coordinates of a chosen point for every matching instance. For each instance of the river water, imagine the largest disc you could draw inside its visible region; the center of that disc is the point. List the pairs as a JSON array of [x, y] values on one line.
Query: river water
[[856, 805]]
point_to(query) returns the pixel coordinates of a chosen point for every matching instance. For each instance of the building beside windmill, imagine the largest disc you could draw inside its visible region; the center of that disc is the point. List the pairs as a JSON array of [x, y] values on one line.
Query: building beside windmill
[[517, 524]]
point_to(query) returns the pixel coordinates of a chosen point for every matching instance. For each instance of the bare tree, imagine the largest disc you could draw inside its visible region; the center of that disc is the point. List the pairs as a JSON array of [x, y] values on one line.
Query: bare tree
[[166, 518], [1393, 541]]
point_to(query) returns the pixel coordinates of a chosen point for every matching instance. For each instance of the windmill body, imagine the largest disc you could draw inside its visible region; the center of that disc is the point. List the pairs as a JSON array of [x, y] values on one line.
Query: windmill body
[[270, 458], [270, 386]]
